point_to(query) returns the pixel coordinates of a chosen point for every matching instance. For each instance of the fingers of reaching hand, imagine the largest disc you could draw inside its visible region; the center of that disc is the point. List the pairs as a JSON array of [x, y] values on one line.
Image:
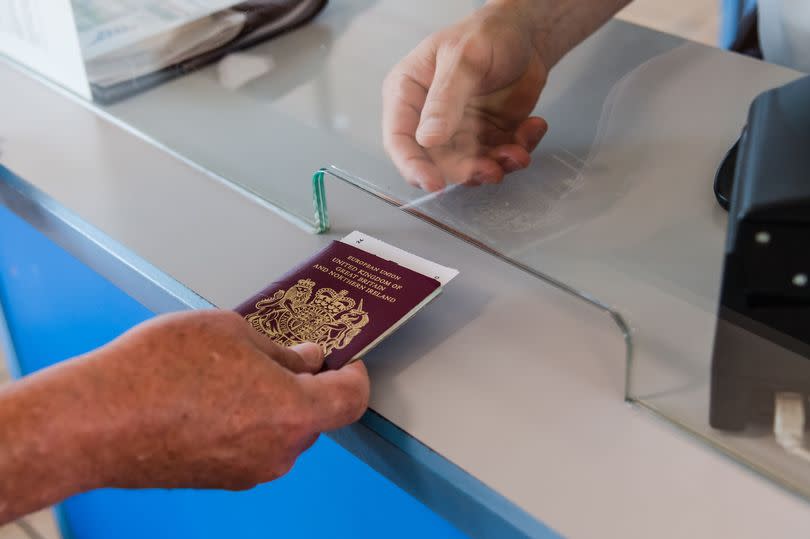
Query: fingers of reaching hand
[[509, 151], [454, 84], [466, 145], [403, 98], [465, 166], [511, 147], [510, 157], [477, 154], [336, 398], [530, 132], [423, 107], [414, 163]]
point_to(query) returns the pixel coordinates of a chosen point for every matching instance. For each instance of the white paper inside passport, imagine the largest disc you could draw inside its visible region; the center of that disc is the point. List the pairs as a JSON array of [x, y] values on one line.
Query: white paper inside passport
[[405, 259]]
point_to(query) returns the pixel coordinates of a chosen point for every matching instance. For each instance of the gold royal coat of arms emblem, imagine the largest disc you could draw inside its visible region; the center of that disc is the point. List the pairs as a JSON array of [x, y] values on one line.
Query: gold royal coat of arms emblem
[[329, 318]]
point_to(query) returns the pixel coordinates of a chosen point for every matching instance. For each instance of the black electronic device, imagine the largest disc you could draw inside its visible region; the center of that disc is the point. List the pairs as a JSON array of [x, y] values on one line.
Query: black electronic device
[[762, 340]]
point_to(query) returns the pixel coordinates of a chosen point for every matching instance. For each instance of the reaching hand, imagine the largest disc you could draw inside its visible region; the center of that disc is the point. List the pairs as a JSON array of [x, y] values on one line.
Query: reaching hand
[[456, 109]]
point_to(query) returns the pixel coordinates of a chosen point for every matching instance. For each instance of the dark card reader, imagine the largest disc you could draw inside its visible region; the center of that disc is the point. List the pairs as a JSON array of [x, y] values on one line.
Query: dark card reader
[[762, 340]]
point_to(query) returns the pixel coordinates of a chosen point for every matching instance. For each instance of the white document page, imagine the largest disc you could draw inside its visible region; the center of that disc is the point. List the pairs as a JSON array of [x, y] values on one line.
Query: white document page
[[105, 26], [41, 34], [405, 259]]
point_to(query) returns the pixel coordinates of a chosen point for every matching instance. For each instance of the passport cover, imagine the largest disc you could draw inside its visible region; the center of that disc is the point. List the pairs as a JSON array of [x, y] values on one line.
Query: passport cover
[[343, 298]]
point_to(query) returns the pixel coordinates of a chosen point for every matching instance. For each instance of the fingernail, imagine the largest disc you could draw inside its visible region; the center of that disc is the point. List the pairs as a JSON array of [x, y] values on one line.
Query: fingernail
[[311, 353], [479, 178], [429, 183], [510, 165], [536, 137], [431, 126]]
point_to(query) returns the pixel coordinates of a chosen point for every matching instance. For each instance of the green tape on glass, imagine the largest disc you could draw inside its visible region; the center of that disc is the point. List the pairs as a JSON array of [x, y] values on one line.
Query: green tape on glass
[[319, 201]]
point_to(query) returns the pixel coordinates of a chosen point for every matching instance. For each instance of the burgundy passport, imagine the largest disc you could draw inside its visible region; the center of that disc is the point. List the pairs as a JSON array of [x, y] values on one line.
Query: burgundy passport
[[343, 298]]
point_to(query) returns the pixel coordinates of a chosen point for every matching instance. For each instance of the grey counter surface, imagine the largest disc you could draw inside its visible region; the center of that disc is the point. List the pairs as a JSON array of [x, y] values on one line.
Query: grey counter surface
[[506, 378]]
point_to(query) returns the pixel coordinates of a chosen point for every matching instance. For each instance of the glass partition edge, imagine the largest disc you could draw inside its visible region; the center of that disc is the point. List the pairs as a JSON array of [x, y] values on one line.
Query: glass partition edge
[[322, 224]]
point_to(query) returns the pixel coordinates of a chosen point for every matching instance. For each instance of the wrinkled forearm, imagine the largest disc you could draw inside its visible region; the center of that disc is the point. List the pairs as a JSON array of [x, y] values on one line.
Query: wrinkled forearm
[[559, 25], [47, 425]]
